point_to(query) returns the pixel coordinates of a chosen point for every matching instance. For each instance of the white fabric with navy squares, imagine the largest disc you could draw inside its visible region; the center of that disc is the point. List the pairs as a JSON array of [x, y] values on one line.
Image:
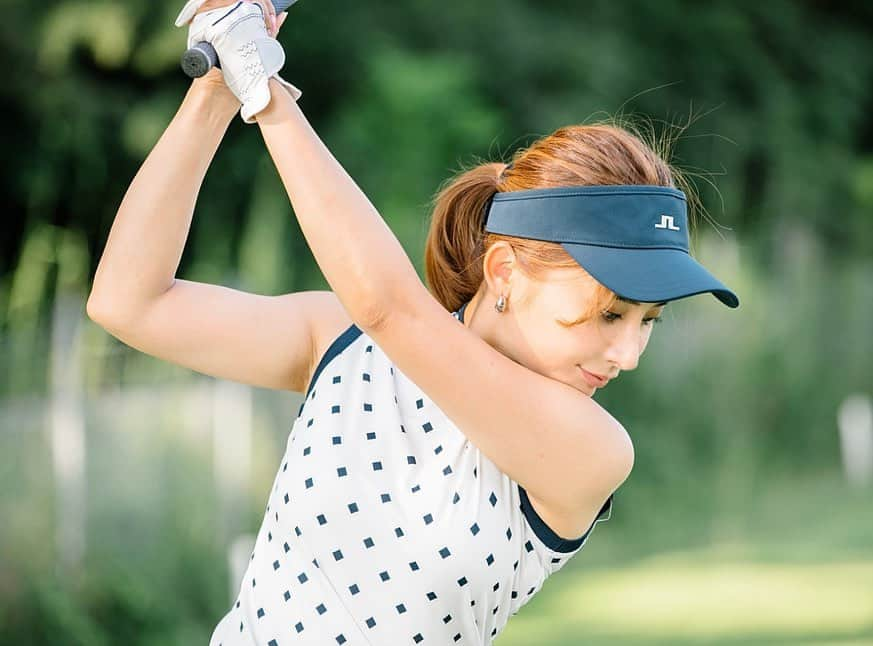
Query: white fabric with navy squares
[[385, 525]]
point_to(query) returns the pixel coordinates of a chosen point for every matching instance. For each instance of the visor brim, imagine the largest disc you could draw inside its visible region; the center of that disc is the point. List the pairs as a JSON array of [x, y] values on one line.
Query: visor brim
[[649, 275]]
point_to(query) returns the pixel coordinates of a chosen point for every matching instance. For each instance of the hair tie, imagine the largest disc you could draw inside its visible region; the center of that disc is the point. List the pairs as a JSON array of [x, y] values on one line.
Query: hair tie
[[503, 172]]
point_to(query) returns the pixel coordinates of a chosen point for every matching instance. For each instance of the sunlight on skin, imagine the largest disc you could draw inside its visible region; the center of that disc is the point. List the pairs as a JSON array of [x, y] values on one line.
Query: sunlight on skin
[[680, 598]]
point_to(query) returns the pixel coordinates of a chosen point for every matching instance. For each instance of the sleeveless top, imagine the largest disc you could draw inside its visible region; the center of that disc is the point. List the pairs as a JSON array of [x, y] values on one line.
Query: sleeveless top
[[386, 525]]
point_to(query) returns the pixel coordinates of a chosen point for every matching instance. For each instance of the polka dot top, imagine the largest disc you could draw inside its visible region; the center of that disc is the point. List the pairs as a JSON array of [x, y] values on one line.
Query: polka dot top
[[386, 525]]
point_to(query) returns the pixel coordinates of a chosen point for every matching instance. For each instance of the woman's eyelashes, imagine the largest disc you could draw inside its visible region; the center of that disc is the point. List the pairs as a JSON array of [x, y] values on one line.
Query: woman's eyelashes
[[610, 317]]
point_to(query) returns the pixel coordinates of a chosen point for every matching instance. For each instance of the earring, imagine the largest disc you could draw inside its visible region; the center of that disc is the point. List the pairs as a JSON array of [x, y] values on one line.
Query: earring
[[500, 305]]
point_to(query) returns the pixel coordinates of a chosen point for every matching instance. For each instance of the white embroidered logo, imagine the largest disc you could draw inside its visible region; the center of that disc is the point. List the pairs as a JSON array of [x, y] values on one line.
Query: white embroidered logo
[[667, 223]]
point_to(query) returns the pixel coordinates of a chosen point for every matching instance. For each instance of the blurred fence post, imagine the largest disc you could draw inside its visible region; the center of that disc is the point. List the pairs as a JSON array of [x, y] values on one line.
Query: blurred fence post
[[232, 446], [67, 428], [238, 557], [855, 422]]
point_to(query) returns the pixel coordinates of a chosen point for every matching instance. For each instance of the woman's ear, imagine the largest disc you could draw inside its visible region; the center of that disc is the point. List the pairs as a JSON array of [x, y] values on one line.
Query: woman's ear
[[499, 268]]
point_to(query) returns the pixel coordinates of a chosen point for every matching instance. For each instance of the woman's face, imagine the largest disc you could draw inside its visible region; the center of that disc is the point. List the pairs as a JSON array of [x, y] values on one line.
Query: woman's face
[[604, 345], [531, 332]]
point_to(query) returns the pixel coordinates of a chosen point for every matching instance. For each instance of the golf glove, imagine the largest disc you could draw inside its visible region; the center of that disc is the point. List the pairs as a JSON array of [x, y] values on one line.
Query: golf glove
[[248, 56]]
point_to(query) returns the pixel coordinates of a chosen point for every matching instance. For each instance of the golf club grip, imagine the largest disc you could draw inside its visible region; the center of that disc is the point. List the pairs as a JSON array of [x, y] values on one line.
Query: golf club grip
[[202, 57]]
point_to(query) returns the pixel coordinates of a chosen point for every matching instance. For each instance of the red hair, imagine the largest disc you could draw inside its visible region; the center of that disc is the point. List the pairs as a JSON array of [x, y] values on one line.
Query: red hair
[[579, 155]]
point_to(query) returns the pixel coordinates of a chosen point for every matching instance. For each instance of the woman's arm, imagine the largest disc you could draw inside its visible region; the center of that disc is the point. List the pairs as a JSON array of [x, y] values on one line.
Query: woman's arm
[[148, 235], [559, 444], [357, 252]]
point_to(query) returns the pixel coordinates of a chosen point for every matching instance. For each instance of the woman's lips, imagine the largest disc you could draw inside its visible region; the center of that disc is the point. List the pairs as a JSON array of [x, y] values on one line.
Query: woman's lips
[[593, 380]]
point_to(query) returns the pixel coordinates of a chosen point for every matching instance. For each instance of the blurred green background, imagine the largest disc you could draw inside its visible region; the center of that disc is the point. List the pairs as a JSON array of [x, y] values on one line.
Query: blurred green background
[[127, 483]]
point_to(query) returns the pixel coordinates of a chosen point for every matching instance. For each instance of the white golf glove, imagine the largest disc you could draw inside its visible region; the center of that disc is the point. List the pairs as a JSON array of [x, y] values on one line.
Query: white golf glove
[[248, 56]]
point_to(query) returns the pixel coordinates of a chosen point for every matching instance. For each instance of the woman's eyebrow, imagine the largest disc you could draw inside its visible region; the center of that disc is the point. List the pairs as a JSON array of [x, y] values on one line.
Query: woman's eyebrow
[[632, 302]]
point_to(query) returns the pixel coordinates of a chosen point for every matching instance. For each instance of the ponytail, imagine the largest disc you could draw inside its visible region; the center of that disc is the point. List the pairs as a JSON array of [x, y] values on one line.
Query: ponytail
[[456, 241]]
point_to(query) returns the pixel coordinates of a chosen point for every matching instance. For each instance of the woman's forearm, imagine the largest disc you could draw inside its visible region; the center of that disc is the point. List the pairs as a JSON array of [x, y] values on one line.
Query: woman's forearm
[[357, 252], [147, 237]]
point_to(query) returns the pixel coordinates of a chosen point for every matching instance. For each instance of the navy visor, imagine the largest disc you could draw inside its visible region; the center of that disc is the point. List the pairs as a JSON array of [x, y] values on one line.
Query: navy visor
[[632, 239]]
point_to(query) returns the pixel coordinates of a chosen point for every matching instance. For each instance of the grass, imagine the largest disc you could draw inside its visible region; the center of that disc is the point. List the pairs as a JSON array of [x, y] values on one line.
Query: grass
[[802, 574], [697, 599]]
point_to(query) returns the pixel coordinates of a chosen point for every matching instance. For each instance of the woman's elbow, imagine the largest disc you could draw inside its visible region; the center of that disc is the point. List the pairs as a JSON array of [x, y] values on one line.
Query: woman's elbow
[[107, 314], [95, 308], [624, 454]]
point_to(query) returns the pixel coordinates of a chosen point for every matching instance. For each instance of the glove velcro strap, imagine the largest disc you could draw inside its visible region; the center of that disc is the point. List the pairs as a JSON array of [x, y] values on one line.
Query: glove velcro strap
[[268, 57]]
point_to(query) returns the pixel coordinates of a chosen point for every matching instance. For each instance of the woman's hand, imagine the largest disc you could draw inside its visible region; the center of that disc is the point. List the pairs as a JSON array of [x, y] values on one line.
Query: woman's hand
[[214, 80], [213, 83], [274, 23]]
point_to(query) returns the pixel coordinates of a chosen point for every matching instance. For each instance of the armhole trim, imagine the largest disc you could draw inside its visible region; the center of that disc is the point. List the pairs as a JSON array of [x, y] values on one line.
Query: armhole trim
[[339, 344], [547, 535]]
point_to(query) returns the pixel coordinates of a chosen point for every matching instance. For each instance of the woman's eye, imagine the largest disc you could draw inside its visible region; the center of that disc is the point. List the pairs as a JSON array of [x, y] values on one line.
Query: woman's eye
[[609, 317]]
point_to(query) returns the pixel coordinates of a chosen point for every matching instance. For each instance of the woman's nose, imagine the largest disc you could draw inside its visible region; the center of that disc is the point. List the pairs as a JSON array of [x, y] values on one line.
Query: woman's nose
[[624, 350]]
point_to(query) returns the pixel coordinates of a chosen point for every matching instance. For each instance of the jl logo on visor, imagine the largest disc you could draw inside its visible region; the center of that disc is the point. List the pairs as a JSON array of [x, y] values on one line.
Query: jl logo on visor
[[667, 223]]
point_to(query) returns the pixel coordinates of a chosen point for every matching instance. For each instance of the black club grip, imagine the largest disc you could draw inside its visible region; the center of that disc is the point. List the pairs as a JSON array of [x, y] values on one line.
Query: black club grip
[[202, 57]]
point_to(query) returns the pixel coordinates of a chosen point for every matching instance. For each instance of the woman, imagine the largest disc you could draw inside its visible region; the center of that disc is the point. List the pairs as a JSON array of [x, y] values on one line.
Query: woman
[[441, 466]]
